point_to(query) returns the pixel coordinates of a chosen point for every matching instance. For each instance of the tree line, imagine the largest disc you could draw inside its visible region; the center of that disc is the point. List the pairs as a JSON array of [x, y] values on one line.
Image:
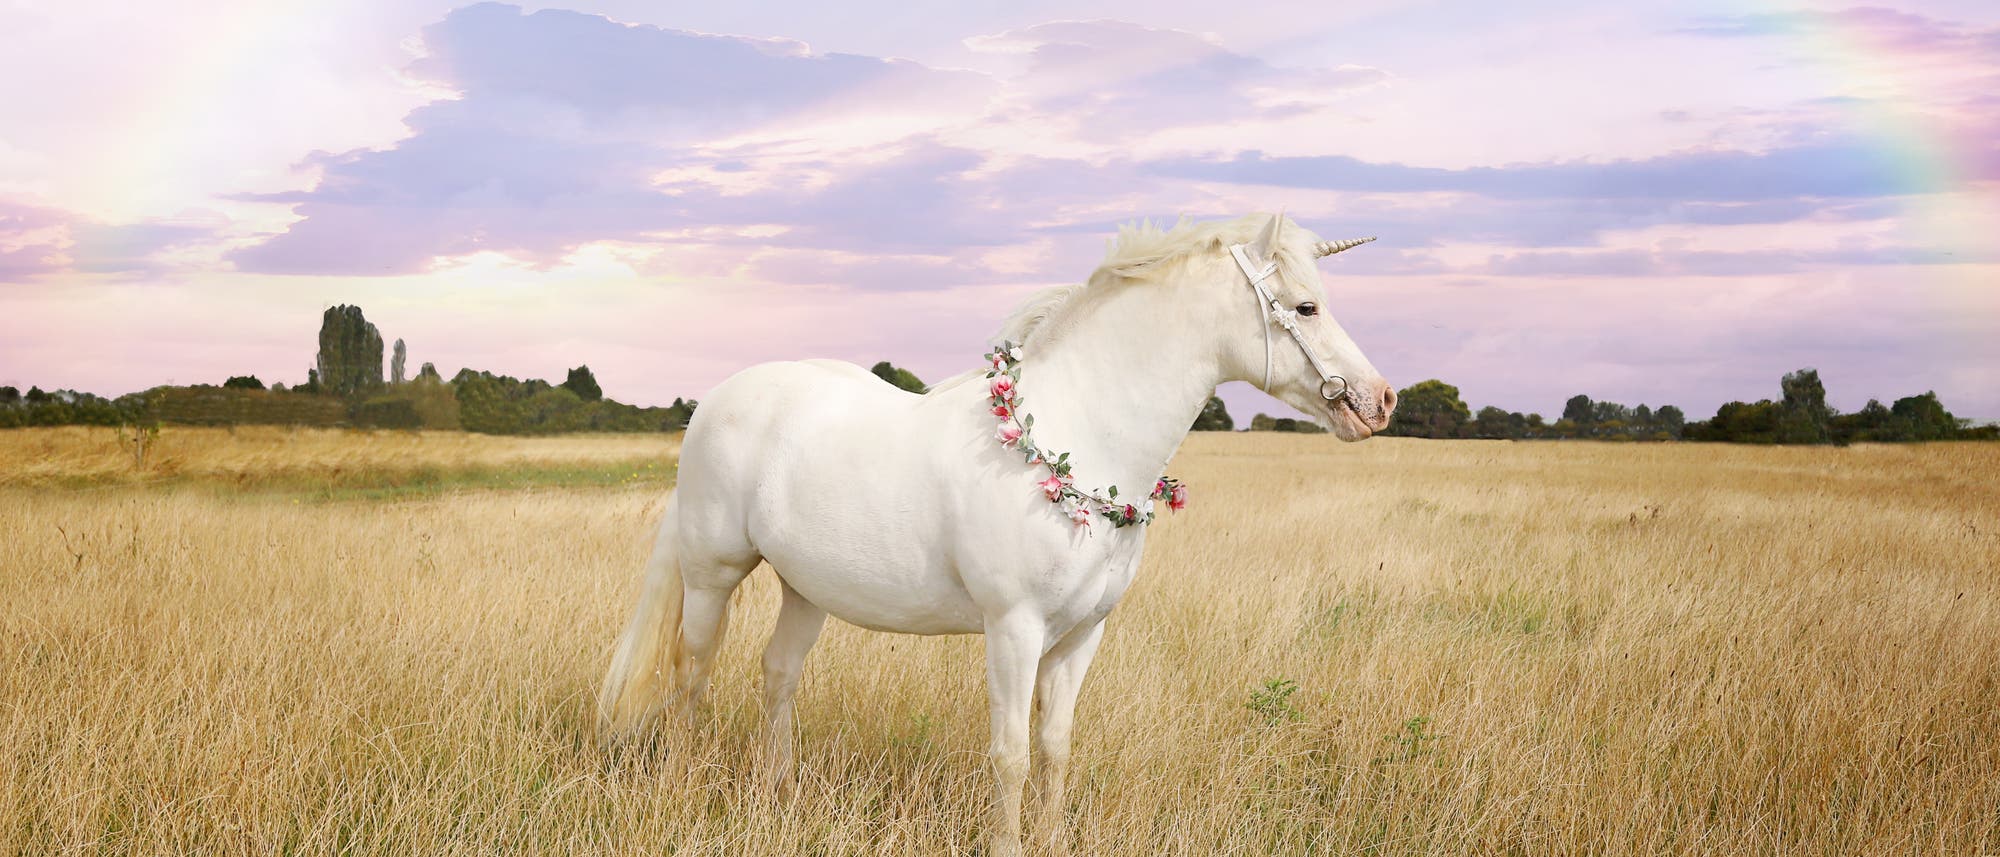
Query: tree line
[[1800, 415], [345, 387]]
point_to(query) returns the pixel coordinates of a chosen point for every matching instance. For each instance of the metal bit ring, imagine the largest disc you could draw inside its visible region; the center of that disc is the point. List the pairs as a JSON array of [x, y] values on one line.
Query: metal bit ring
[[1335, 395]]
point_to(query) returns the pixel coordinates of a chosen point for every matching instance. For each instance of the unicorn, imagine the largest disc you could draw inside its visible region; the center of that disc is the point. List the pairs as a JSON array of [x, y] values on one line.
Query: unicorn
[[934, 513]]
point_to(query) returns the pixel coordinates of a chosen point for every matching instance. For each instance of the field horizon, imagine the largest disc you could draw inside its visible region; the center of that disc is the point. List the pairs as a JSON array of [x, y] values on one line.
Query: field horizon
[[326, 642]]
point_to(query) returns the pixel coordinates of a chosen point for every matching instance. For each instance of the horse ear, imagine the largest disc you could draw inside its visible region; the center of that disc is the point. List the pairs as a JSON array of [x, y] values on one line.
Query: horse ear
[[1267, 239]]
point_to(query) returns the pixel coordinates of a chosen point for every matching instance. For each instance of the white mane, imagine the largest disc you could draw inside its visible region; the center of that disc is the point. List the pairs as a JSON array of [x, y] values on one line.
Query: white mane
[[1142, 251]]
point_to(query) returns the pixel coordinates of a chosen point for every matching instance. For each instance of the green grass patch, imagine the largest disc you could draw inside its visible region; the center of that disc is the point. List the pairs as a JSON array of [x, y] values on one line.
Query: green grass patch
[[1509, 611], [426, 482], [384, 484]]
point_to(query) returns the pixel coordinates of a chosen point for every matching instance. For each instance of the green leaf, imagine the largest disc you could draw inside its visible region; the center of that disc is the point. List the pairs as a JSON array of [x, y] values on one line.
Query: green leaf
[[1113, 492]]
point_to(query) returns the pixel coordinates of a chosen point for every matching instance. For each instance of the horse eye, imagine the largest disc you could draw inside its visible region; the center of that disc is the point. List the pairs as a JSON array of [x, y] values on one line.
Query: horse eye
[[1308, 308]]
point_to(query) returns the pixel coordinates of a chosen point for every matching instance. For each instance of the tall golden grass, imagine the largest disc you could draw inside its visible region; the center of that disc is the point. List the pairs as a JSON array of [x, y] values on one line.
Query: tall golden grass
[[1539, 648]]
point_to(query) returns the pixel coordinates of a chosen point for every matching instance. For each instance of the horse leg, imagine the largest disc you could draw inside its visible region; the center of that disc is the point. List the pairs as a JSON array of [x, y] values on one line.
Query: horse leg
[[704, 619], [1057, 683], [799, 623], [1013, 647]]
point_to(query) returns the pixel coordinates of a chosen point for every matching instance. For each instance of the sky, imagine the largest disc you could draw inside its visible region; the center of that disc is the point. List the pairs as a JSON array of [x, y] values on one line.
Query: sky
[[1667, 203]]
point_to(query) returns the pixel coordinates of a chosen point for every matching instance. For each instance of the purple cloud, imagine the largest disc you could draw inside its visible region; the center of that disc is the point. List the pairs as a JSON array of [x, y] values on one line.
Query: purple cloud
[[1843, 170], [37, 241], [1672, 262], [1118, 79], [29, 241], [562, 122], [131, 247], [1574, 204], [453, 189], [922, 199], [628, 79]]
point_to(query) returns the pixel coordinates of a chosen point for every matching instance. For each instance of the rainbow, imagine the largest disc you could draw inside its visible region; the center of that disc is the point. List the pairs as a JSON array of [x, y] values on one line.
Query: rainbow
[[1946, 155]]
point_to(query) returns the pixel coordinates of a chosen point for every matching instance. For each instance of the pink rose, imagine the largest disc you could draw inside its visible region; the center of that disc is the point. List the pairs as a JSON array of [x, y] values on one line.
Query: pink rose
[[999, 360], [1080, 515], [1131, 512], [1178, 500], [1003, 388], [1002, 411], [1008, 434], [1052, 486]]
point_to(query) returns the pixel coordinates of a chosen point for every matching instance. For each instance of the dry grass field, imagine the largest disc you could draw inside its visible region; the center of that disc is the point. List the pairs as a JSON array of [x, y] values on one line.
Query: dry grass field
[[328, 463], [1494, 648]]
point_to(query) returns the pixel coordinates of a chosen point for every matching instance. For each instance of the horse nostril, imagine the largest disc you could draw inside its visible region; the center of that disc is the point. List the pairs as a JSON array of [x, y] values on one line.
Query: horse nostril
[[1388, 399]]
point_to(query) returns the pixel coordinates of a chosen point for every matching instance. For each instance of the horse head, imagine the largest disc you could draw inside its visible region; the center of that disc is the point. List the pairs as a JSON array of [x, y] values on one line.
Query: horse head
[[1290, 345]]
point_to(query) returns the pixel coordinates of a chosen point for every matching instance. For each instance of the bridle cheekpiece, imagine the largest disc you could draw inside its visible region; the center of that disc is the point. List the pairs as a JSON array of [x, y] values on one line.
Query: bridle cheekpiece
[[1332, 387]]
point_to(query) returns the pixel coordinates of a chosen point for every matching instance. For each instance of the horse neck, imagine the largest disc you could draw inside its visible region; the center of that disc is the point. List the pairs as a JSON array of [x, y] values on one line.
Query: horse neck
[[1119, 385]]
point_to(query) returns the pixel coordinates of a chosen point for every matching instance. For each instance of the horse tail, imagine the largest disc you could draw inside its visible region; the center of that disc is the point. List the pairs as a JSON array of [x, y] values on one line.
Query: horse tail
[[646, 667]]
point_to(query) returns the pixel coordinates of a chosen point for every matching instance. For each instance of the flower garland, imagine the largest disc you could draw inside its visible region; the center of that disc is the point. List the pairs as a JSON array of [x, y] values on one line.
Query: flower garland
[[1078, 505]]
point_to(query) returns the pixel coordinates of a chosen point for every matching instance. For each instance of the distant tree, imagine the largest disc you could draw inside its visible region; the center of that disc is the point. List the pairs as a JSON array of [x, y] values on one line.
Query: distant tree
[[1804, 416], [679, 413], [1430, 409], [1266, 422], [552, 410], [1740, 422], [1214, 416], [498, 404], [243, 382], [350, 352], [1579, 410], [9, 396], [37, 397], [396, 362], [1970, 430], [1923, 417], [311, 385], [485, 403], [900, 378], [1496, 423], [583, 384], [1872, 424], [1584, 418], [429, 373], [1670, 420]]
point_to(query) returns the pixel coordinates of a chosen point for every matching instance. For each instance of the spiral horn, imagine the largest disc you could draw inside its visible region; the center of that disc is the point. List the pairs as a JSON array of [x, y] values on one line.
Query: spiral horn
[[1323, 249]]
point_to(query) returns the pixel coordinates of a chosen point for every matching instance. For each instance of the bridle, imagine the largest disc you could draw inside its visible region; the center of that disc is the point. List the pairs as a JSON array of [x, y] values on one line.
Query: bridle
[[1289, 320]]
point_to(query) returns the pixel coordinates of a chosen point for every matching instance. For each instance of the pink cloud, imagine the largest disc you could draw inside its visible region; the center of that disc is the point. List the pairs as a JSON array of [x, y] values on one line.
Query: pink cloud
[[32, 241]]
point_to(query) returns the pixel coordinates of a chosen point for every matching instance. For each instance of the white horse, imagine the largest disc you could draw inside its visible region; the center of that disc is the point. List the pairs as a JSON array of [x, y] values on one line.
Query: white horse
[[902, 512]]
